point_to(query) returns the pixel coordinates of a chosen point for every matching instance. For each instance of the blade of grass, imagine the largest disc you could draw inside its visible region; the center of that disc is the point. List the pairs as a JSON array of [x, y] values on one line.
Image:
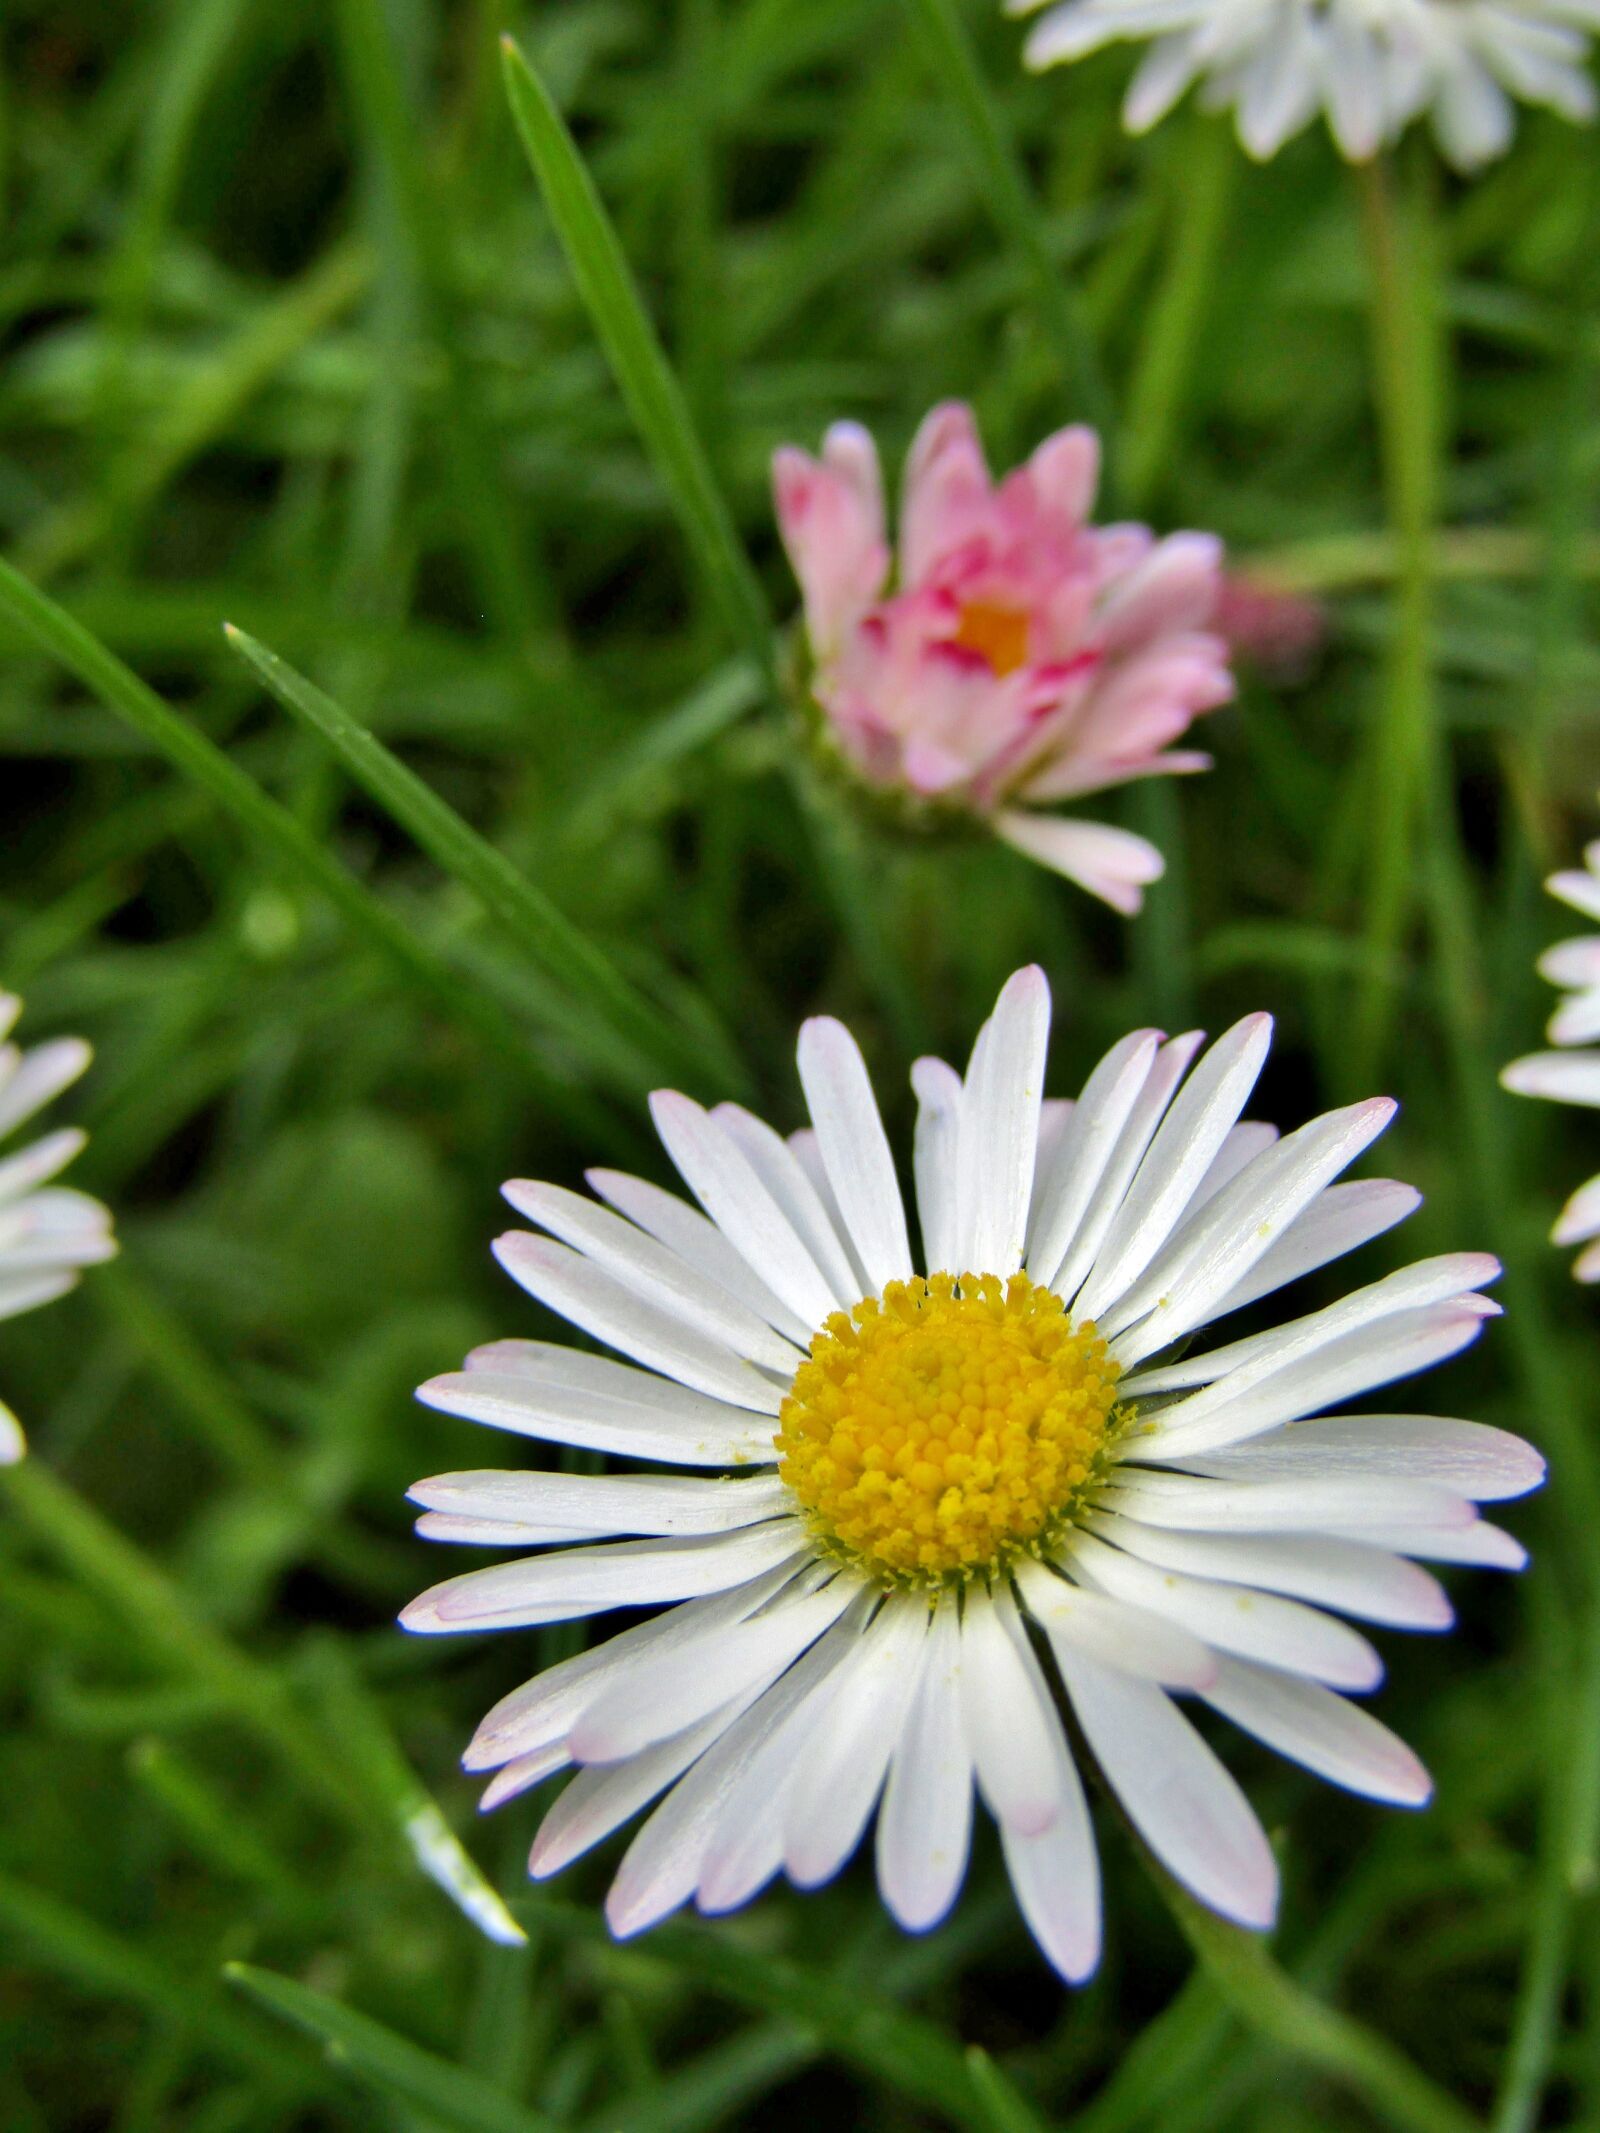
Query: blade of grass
[[78, 1948], [1016, 215], [1241, 1967], [1174, 330], [390, 2065], [256, 353], [912, 2056], [521, 601], [638, 362], [527, 914], [151, 1608], [1406, 361], [359, 1726], [66, 640]]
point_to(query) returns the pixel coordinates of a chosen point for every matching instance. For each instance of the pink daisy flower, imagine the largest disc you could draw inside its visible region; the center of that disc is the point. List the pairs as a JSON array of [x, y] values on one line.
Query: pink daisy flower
[[1011, 655]]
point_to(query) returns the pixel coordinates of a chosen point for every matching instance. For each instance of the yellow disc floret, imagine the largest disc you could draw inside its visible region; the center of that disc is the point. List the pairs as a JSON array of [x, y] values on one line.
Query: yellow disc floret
[[948, 1426]]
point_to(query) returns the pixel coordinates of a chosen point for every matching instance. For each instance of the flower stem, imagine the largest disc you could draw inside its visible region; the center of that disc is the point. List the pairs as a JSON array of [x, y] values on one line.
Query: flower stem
[[1400, 251], [1241, 1968]]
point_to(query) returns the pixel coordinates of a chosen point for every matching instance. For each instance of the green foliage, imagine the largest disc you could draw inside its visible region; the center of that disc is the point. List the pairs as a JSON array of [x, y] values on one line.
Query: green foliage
[[462, 401]]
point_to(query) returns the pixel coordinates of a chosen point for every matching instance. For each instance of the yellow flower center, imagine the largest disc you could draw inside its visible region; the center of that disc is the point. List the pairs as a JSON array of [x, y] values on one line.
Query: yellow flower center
[[948, 1427], [998, 634]]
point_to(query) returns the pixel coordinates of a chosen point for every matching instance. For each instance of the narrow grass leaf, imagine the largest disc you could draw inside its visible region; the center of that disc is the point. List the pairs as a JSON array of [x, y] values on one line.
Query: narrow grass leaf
[[527, 914], [1015, 213], [637, 360], [390, 2065], [56, 632]]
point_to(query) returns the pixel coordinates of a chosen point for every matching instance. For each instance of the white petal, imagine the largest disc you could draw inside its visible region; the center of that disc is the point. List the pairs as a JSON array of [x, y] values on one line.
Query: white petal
[[628, 1412], [679, 1693], [564, 1507], [1011, 1737], [1313, 1726], [653, 1272], [1178, 1796], [722, 1178], [855, 1149], [1055, 1873], [541, 1712], [1469, 1457], [1215, 1250], [613, 1313], [746, 1847], [935, 1154], [1193, 1505], [1371, 1356], [34, 1165], [662, 1865], [38, 1077], [587, 1581], [805, 1204], [1091, 1135], [1357, 1580], [925, 1828], [1250, 1138], [1232, 1618], [999, 1135], [26, 1291], [1452, 1278], [1189, 1140], [1337, 1221], [520, 1775], [1149, 1107], [1112, 864], [840, 1777], [1483, 1546], [1564, 1077], [601, 1800], [1105, 1629], [689, 1233], [1580, 1218]]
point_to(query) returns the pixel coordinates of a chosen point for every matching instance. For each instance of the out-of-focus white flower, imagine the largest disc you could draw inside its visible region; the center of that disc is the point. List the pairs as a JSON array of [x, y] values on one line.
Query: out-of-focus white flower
[[47, 1232], [1371, 66], [1572, 1077], [914, 1502], [1012, 655]]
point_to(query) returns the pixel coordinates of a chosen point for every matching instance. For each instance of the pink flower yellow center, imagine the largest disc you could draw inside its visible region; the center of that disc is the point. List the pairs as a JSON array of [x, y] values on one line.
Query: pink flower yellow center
[[997, 634], [947, 1427]]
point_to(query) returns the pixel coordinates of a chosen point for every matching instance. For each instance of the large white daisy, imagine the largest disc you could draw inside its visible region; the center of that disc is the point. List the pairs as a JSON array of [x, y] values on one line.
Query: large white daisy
[[1572, 1077], [1371, 66], [47, 1232], [929, 1505]]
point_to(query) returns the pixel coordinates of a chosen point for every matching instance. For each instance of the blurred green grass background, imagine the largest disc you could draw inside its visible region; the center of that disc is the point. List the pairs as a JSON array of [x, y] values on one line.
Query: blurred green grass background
[[290, 342]]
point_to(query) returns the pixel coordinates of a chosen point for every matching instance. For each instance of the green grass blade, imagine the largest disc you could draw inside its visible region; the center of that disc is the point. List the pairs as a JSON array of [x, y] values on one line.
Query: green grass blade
[[1241, 1967], [1016, 215], [390, 2065], [355, 1720], [78, 1948], [58, 634], [637, 359], [909, 2054], [527, 914], [152, 1610]]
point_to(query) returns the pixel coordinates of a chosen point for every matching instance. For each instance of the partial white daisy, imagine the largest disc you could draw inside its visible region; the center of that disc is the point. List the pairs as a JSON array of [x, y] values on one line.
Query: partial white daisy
[[47, 1232], [1572, 1077], [1370, 66], [908, 1511]]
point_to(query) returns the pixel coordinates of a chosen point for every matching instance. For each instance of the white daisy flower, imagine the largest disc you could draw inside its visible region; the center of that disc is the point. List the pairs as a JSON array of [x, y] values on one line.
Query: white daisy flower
[[1370, 66], [928, 1504], [47, 1232], [1572, 1077]]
